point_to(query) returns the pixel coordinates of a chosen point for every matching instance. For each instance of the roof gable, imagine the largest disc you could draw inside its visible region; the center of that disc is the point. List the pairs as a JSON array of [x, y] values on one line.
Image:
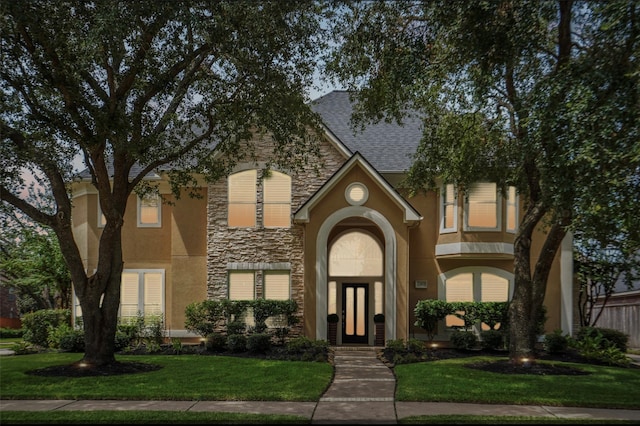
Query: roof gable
[[409, 213]]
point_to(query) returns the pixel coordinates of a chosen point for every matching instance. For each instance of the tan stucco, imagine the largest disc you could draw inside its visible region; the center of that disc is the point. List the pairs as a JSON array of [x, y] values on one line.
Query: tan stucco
[[196, 248]]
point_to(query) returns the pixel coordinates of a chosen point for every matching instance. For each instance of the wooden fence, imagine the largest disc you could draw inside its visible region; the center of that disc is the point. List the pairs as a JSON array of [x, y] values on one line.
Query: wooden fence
[[623, 317]]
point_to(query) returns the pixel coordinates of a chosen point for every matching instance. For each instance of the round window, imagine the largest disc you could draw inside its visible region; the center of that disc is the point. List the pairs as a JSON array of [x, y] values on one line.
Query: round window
[[356, 194]]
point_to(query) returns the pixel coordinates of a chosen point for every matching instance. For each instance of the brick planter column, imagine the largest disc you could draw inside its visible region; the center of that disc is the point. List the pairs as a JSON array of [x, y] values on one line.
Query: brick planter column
[[379, 334], [332, 333]]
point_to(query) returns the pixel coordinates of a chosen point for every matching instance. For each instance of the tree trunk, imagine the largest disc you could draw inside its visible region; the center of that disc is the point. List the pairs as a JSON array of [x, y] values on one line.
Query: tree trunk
[[99, 297], [530, 287]]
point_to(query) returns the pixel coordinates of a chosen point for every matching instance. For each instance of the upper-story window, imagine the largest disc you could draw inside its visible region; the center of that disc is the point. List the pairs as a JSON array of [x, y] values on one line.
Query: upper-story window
[[512, 209], [150, 211], [449, 209], [243, 205], [277, 200], [482, 207], [242, 199]]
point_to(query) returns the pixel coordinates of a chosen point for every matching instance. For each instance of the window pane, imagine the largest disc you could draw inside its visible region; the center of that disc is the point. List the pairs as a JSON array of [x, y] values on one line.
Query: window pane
[[242, 214], [277, 215], [448, 206], [448, 216], [241, 286], [356, 193], [349, 314], [276, 285], [360, 320], [277, 188], [152, 293], [277, 200], [458, 289], [242, 187], [494, 288], [379, 298], [482, 206], [149, 213], [355, 254], [332, 298], [129, 295], [511, 208], [242, 198]]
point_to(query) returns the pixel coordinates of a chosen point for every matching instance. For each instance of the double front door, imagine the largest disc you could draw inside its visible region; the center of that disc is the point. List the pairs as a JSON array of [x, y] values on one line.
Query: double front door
[[355, 310]]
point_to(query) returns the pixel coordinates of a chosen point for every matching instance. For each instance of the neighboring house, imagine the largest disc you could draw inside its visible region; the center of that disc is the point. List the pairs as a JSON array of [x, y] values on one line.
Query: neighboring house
[[346, 240], [9, 315], [622, 311]]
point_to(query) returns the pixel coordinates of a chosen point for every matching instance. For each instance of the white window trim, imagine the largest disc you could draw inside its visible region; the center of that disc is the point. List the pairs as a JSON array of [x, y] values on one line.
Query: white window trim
[[139, 210], [498, 227], [443, 228], [352, 201], [140, 272]]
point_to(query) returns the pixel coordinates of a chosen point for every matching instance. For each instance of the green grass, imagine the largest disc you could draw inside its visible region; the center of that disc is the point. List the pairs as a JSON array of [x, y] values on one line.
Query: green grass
[[206, 377], [450, 381], [182, 377]]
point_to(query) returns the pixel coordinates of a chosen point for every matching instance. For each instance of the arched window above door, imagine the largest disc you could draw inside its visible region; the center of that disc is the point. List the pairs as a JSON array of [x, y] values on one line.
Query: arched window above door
[[356, 254]]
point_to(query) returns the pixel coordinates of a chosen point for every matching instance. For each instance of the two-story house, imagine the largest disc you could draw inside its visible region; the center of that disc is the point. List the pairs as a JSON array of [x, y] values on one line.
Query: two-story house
[[341, 240]]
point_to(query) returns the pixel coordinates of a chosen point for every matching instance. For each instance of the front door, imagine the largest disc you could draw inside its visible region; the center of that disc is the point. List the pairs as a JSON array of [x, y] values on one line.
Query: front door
[[355, 313]]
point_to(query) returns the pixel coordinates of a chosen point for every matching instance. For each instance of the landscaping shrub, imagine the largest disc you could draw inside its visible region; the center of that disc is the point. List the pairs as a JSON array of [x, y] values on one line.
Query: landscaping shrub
[[555, 342], [72, 341], [237, 342], [215, 342], [429, 312], [595, 348], [236, 327], [416, 346], [492, 340], [614, 337], [259, 343], [37, 325], [122, 340], [396, 345], [11, 333], [461, 339], [305, 349]]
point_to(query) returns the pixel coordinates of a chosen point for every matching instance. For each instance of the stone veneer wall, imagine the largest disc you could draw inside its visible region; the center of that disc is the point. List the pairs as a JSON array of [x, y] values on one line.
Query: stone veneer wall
[[260, 248]]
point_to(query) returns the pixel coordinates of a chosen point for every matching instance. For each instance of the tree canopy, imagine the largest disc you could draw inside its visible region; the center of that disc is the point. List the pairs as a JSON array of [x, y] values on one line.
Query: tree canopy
[[540, 95], [130, 88]]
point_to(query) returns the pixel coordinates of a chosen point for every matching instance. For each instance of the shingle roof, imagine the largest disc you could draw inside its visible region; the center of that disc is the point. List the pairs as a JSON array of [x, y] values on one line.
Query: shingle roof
[[389, 147]]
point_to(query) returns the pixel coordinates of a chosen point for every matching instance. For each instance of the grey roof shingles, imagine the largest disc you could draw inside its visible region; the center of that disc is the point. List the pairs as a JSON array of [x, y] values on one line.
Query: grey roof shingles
[[389, 147]]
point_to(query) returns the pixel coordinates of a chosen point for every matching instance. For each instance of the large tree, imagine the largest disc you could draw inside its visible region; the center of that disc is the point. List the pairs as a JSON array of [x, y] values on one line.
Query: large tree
[[542, 95], [134, 87]]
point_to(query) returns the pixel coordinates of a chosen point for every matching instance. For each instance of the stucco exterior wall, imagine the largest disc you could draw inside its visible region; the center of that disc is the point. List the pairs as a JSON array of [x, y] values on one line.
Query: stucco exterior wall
[[178, 246]]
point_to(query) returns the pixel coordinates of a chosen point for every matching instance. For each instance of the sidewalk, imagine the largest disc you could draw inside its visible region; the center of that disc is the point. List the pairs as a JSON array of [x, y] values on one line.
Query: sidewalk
[[362, 392]]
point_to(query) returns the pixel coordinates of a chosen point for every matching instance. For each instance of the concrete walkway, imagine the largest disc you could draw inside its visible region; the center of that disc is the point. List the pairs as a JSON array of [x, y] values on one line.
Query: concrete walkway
[[362, 392]]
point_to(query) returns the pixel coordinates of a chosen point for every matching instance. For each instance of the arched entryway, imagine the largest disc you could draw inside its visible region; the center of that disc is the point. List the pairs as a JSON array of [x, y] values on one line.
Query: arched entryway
[[355, 292], [355, 280]]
